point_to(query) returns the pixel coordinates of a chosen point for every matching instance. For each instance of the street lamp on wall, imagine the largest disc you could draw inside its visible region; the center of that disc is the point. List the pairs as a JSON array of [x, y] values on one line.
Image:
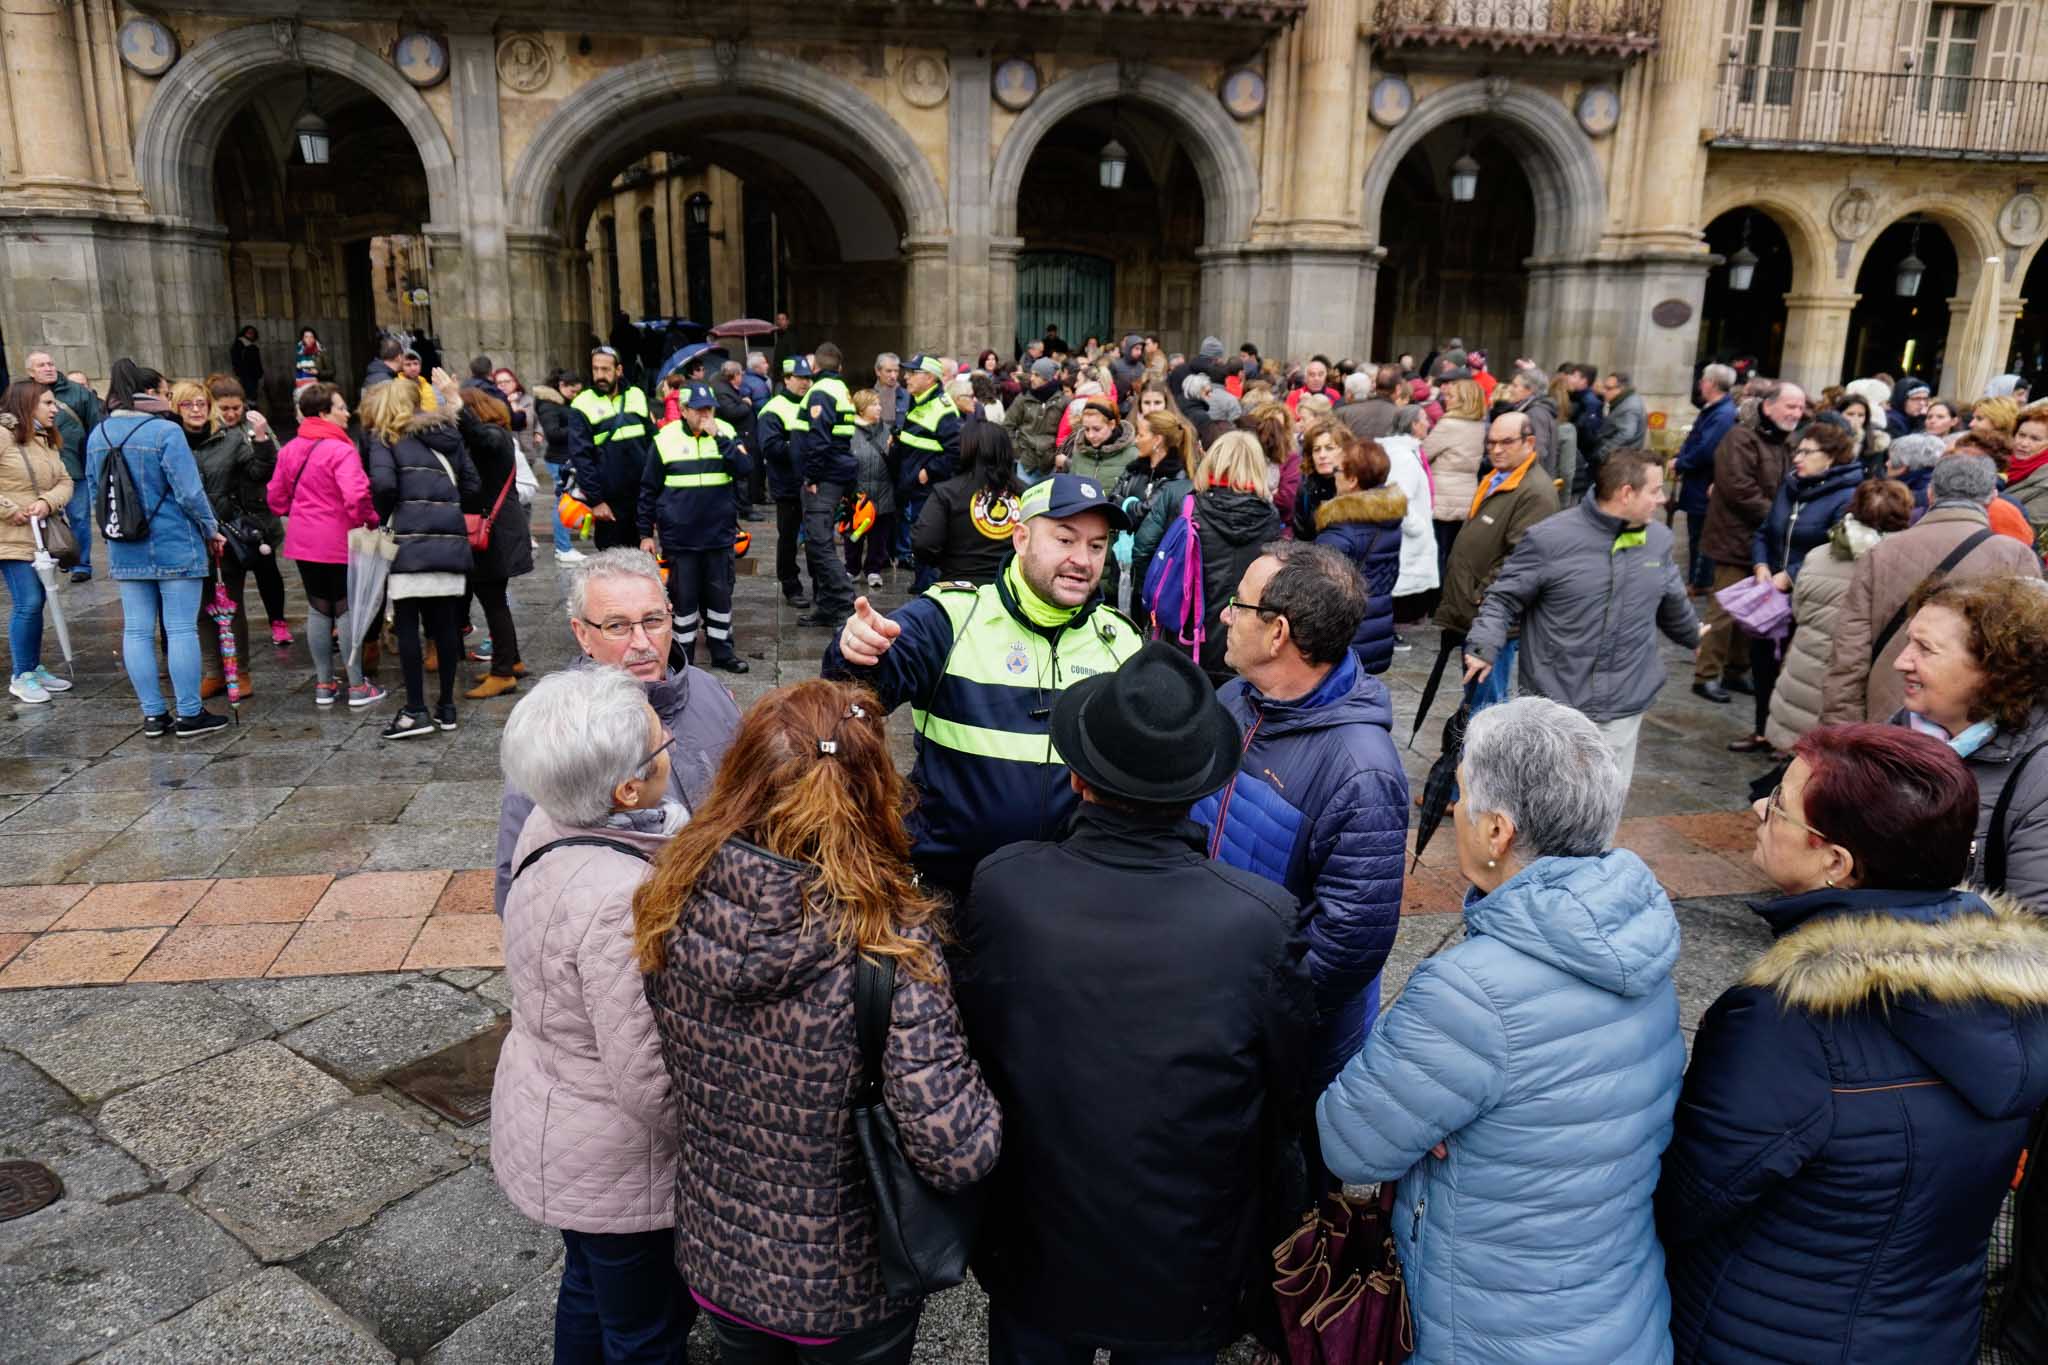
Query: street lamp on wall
[[1742, 265], [698, 207], [1912, 269], [311, 132], [1464, 179], [1111, 168]]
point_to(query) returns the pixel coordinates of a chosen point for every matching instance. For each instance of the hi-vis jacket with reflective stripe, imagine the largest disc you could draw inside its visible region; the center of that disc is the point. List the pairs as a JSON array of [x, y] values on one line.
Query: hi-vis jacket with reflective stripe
[[778, 428], [981, 680], [929, 440], [686, 489], [825, 452], [621, 436]]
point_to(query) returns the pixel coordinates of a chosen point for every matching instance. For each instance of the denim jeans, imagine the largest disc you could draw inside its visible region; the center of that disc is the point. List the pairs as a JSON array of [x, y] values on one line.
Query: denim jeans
[[621, 1301], [78, 512], [176, 601], [905, 524], [1498, 683], [1014, 1342], [25, 620], [562, 540]]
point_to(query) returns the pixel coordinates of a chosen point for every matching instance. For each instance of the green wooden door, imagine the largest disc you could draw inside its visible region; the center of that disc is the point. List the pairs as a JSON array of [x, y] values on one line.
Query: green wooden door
[[1076, 293]]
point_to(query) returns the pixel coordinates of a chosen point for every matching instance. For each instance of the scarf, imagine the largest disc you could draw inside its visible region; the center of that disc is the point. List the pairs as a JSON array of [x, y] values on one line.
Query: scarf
[[321, 429], [1036, 609], [2023, 465]]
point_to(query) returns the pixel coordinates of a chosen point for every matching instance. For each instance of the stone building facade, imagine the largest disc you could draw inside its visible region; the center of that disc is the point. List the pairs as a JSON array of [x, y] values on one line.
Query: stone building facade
[[923, 176]]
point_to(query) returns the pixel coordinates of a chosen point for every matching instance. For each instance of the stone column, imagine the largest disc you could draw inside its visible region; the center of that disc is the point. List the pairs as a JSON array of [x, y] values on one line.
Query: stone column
[[927, 306], [52, 155], [970, 116], [484, 323], [1816, 330], [1002, 294], [1666, 176], [1325, 199]]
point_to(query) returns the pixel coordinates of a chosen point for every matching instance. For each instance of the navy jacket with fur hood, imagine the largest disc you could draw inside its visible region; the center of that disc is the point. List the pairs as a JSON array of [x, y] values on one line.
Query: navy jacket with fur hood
[[1849, 1126], [1365, 527], [420, 496]]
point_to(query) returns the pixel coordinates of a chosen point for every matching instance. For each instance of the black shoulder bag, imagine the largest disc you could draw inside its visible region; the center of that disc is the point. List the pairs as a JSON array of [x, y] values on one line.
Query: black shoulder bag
[[579, 840], [1955, 557], [924, 1235]]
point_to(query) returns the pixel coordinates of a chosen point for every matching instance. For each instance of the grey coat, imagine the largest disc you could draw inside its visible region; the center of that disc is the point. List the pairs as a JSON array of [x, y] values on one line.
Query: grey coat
[[1589, 612], [1626, 424], [871, 457], [695, 708], [2026, 821]]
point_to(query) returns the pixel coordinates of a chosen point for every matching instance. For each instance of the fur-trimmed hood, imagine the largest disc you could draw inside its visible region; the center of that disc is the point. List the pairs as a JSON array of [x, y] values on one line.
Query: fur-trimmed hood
[[1368, 504], [421, 422], [1959, 977], [543, 393]]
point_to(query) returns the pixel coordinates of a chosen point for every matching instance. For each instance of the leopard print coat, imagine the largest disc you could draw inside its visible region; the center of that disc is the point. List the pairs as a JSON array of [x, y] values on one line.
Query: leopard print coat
[[775, 1221]]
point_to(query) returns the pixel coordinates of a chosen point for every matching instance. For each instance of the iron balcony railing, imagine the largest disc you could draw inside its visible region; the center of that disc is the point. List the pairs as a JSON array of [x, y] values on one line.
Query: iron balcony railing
[[1622, 28], [1902, 113]]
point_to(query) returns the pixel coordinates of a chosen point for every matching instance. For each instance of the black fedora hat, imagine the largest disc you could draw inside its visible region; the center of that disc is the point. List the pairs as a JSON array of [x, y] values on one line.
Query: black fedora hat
[[1152, 731]]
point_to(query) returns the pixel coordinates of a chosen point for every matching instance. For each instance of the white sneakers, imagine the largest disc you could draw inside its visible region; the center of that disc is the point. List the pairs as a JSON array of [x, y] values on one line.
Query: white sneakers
[[28, 688], [570, 556]]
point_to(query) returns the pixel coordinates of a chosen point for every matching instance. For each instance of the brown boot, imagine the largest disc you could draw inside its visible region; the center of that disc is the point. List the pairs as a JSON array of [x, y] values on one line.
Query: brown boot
[[432, 663], [492, 685], [212, 687], [519, 670]]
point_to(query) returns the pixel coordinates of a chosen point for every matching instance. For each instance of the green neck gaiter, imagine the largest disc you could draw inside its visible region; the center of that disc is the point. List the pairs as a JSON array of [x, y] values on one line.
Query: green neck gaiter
[[1036, 609]]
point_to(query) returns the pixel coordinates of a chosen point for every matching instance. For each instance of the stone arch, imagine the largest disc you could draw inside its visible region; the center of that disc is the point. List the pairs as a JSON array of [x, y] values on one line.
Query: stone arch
[[186, 117], [1230, 182], [1812, 263], [534, 196], [1571, 195], [1971, 233]]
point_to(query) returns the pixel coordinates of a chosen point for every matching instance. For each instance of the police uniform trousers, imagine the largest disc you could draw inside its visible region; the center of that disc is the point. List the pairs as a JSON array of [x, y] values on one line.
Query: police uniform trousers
[[700, 591]]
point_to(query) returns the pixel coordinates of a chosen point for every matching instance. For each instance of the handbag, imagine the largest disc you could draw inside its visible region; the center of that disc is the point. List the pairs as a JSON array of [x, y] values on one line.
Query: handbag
[[1758, 607], [480, 526], [1338, 1282], [54, 531], [923, 1234]]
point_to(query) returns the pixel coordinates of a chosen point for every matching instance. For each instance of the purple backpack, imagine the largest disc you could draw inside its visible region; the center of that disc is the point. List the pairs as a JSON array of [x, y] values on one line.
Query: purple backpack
[[1173, 583]]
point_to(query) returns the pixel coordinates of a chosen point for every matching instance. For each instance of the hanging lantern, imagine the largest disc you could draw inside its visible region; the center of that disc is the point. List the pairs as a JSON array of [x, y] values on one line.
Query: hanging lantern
[[698, 206], [314, 144], [1912, 269], [1114, 159], [1464, 179], [1742, 265]]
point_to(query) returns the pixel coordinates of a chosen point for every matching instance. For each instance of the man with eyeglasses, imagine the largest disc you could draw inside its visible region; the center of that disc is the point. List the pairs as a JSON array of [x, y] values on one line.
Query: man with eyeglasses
[[1510, 499], [619, 613]]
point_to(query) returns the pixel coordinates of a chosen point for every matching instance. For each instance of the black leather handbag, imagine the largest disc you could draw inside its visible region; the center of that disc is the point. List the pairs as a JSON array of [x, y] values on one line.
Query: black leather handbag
[[925, 1235]]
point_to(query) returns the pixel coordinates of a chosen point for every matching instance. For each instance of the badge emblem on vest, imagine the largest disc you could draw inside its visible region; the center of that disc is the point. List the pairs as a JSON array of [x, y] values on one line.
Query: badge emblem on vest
[[1018, 660]]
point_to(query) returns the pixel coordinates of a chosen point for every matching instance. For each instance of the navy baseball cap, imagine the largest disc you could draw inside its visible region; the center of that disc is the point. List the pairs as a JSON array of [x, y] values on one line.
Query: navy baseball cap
[[1069, 495], [699, 396], [929, 364], [796, 367]]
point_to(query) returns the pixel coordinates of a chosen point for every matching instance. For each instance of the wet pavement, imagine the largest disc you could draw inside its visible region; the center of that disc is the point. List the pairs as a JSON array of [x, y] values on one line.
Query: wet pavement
[[225, 963]]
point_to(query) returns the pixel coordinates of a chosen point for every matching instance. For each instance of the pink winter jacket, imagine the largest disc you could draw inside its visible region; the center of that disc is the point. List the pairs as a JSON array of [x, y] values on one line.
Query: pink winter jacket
[[320, 485], [583, 1132]]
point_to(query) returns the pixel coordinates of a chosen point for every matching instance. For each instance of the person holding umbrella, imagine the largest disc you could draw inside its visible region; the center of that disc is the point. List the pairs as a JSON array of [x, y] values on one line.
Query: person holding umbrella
[[33, 488]]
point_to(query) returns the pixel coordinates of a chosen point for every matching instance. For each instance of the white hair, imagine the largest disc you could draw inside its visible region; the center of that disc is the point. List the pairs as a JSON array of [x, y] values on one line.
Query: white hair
[[571, 741], [1357, 386], [1721, 377], [1545, 767], [1195, 386], [617, 562]]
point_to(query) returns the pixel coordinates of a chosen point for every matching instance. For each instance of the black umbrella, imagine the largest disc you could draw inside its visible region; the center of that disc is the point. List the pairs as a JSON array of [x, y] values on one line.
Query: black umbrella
[[1449, 641], [1442, 783]]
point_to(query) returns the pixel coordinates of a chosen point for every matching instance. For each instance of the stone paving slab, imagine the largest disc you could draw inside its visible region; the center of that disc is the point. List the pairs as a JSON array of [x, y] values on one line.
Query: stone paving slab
[[194, 1117], [75, 1286], [364, 1041], [28, 1097], [289, 1002], [286, 1194], [143, 1040], [274, 1316], [93, 1170]]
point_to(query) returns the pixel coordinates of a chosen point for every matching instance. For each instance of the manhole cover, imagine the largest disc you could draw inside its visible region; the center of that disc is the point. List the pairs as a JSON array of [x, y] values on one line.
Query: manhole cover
[[455, 1082], [26, 1187]]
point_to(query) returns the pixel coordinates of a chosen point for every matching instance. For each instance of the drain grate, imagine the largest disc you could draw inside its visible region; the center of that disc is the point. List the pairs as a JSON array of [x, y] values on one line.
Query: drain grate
[[26, 1187], [456, 1081]]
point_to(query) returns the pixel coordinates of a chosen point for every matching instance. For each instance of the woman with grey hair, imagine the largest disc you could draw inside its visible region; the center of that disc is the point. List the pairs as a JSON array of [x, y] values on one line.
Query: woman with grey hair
[[583, 1133], [1910, 459], [1521, 1089]]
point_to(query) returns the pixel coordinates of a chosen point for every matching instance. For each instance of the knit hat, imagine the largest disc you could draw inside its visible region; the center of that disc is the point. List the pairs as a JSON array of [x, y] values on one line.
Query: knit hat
[[1045, 368], [1211, 347]]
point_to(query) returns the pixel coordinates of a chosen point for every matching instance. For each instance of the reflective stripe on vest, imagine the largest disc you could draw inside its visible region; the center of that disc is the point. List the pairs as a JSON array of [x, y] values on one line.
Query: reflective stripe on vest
[[998, 674], [926, 416], [689, 461], [610, 417], [842, 403], [787, 410]]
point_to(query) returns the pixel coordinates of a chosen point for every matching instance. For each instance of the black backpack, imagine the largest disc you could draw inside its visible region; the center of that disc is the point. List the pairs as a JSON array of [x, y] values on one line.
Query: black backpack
[[118, 509]]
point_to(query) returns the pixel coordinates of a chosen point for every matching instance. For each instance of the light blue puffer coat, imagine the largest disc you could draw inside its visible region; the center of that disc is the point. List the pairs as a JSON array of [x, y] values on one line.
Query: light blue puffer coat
[[1544, 1052]]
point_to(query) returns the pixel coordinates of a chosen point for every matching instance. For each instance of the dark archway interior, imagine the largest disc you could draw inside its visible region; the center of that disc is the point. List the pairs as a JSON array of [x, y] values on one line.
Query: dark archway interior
[[2029, 353], [307, 245], [1747, 322], [1451, 267], [1893, 333], [1107, 261]]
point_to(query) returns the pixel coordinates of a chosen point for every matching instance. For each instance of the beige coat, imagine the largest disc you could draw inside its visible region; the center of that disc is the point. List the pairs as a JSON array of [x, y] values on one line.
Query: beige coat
[[1816, 606], [1456, 449], [27, 471], [1861, 688]]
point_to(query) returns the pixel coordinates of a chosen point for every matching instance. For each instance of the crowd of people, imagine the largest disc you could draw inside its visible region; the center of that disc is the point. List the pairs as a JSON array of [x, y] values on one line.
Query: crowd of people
[[1132, 904]]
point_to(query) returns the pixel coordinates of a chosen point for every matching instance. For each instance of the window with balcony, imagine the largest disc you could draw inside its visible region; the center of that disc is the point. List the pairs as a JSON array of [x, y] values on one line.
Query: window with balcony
[[1770, 49], [1948, 58]]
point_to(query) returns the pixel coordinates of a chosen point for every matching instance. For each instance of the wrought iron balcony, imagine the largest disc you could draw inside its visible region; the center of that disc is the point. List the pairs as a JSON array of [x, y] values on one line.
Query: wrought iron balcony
[[1900, 113], [1621, 28]]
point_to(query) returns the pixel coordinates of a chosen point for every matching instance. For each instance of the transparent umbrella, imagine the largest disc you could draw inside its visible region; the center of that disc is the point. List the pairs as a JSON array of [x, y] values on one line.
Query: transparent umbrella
[[46, 570], [370, 552]]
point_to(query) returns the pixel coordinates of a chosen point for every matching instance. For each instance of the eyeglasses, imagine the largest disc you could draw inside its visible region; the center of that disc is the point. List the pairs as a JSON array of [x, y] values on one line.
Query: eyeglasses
[[1233, 605], [623, 630], [659, 750], [1774, 807]]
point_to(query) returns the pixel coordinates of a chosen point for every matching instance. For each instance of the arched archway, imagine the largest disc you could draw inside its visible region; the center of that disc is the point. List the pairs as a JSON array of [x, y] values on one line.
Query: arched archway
[[2028, 354], [1903, 334], [1749, 321]]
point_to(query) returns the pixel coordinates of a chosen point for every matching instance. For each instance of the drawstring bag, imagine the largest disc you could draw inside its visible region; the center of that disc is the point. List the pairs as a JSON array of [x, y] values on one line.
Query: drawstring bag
[[1339, 1287]]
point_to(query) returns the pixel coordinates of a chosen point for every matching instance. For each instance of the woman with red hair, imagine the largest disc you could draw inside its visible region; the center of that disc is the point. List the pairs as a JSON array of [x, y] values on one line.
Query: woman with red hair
[[1856, 1106]]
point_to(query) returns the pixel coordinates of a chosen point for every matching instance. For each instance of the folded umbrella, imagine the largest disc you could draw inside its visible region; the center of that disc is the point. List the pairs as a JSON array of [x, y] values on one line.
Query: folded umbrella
[[222, 610], [1440, 788], [1447, 642], [370, 552], [46, 571]]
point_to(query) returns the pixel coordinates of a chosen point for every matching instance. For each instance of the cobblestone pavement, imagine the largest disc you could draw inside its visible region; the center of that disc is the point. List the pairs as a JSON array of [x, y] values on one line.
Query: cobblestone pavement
[[285, 926]]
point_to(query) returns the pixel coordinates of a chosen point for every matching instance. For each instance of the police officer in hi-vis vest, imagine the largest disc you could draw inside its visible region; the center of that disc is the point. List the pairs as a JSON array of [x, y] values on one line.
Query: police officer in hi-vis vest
[[926, 449], [621, 438], [687, 516], [981, 668], [778, 427], [825, 458]]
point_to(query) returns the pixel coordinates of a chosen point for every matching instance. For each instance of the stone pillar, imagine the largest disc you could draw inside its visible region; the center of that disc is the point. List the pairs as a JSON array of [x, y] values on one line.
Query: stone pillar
[[1002, 294], [484, 324], [1325, 199], [1816, 330], [970, 116], [927, 305], [52, 156], [1225, 309], [1665, 180]]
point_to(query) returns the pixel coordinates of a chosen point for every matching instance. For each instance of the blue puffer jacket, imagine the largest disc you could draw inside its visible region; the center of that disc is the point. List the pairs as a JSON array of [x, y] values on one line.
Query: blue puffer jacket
[[1851, 1120], [1801, 516], [181, 521], [1365, 527], [1320, 805], [1695, 462], [1544, 1052]]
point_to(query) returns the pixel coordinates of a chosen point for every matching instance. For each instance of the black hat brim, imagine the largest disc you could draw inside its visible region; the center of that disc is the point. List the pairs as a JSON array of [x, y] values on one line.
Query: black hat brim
[[1069, 737]]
